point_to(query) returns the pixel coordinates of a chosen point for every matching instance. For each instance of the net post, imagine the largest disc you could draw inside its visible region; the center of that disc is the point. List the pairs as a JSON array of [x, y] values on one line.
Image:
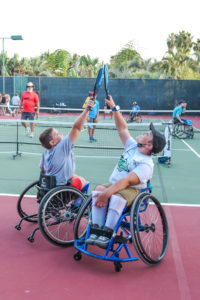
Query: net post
[[17, 143]]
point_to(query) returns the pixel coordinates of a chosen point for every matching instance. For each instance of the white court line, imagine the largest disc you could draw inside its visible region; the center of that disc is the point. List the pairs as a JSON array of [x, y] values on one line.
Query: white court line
[[165, 204], [195, 152], [181, 150]]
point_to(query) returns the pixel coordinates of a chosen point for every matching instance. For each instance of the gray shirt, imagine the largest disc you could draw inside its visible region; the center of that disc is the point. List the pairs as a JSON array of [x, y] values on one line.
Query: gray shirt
[[59, 161]]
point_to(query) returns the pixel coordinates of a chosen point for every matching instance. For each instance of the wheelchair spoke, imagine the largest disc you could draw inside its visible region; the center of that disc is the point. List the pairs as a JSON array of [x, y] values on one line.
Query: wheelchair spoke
[[149, 229], [27, 204], [58, 211]]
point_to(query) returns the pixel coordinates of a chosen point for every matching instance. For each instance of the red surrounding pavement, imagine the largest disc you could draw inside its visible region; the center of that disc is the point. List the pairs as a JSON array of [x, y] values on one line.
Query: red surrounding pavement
[[43, 271]]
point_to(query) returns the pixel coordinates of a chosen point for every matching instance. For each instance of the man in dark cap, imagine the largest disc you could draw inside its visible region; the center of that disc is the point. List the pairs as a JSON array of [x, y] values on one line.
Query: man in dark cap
[[178, 111], [131, 174]]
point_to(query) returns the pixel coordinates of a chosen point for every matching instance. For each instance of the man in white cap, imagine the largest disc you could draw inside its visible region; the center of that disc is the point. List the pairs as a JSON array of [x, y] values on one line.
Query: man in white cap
[[29, 100]]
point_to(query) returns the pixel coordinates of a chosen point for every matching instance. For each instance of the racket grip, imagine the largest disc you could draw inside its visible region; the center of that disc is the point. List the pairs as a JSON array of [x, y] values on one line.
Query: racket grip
[[107, 97]]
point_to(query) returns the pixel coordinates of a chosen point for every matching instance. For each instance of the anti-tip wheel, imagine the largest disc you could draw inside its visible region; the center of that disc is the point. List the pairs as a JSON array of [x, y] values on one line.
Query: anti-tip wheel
[[17, 227], [30, 239], [77, 256], [118, 266]]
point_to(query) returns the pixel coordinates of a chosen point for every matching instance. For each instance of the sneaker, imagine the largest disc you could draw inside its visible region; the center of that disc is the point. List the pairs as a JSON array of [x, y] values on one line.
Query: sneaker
[[27, 131], [102, 242], [94, 140], [31, 135], [91, 240]]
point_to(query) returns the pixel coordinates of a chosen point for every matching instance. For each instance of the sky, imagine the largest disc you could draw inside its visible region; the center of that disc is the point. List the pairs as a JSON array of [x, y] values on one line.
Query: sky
[[97, 28]]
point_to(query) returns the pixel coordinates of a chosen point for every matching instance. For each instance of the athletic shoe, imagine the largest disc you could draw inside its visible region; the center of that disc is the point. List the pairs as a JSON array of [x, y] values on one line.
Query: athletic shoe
[[102, 242], [94, 140], [92, 239], [27, 131], [31, 135]]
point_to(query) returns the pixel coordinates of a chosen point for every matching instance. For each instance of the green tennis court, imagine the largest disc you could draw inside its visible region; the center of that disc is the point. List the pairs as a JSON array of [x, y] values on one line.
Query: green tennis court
[[96, 162]]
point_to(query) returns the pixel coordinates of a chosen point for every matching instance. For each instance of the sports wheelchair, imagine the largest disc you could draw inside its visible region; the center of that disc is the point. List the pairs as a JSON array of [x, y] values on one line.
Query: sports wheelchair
[[134, 117], [144, 224], [183, 131], [53, 208]]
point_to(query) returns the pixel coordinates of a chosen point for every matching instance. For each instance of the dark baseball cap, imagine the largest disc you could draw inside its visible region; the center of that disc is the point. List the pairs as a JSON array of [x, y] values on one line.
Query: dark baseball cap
[[159, 141], [181, 101]]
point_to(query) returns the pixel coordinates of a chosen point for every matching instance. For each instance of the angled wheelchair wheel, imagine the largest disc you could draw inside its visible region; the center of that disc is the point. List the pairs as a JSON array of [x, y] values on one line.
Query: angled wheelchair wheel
[[57, 213], [82, 220], [149, 229], [27, 204]]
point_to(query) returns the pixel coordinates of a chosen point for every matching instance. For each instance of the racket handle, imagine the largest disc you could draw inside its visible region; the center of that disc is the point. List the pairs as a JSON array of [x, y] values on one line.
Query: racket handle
[[108, 98]]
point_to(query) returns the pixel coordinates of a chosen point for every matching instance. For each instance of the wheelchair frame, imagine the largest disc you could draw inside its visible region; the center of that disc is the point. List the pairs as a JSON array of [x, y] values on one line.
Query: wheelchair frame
[[129, 233]]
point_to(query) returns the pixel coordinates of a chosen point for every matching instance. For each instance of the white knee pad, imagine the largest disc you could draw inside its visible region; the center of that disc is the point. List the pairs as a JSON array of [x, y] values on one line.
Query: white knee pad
[[117, 204]]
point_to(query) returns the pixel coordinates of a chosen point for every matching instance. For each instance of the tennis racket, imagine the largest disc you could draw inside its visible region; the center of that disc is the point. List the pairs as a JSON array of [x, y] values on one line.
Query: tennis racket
[[106, 79], [97, 83]]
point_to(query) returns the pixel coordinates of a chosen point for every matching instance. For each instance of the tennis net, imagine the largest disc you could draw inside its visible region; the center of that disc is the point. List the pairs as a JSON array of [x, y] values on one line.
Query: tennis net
[[14, 140]]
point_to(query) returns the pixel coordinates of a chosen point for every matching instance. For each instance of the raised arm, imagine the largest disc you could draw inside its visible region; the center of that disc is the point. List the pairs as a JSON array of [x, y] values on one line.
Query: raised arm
[[78, 124], [119, 121]]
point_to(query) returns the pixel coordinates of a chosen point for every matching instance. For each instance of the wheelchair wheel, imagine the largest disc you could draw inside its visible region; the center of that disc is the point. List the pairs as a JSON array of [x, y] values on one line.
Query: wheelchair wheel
[[27, 202], [82, 220], [57, 213], [149, 229], [179, 131]]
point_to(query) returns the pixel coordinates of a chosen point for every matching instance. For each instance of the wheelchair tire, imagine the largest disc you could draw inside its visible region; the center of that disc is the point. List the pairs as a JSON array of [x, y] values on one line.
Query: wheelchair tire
[[81, 222], [27, 202], [57, 213], [149, 229]]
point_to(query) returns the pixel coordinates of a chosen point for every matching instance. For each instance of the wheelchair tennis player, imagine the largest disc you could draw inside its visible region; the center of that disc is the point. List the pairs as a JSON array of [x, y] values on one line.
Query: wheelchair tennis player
[[57, 159], [178, 120], [131, 174]]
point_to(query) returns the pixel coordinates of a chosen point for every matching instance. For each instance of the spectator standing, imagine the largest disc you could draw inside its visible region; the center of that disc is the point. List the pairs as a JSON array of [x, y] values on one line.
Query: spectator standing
[[29, 100]]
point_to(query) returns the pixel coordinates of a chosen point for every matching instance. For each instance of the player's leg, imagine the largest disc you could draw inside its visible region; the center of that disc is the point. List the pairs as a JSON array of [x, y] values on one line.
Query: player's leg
[[90, 127], [24, 117], [116, 206], [98, 214], [93, 130], [32, 125]]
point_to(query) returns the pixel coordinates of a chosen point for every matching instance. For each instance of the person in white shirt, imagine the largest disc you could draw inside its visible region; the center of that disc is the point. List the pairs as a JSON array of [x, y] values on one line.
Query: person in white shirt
[[16, 103], [131, 174]]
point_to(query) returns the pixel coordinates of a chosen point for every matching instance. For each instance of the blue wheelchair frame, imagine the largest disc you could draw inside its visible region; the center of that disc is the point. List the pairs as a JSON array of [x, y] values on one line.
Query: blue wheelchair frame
[[123, 223]]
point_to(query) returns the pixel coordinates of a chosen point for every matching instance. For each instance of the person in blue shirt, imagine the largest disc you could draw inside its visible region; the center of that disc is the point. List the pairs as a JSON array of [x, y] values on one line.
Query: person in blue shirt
[[93, 118], [134, 114], [177, 119], [178, 111]]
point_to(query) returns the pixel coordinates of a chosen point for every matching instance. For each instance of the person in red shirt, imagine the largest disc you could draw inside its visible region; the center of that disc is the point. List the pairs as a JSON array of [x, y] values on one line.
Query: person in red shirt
[[29, 100]]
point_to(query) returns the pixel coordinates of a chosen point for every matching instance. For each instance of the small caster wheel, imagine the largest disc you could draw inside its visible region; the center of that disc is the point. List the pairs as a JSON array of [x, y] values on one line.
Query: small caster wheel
[[18, 227], [118, 266], [77, 256], [30, 239]]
